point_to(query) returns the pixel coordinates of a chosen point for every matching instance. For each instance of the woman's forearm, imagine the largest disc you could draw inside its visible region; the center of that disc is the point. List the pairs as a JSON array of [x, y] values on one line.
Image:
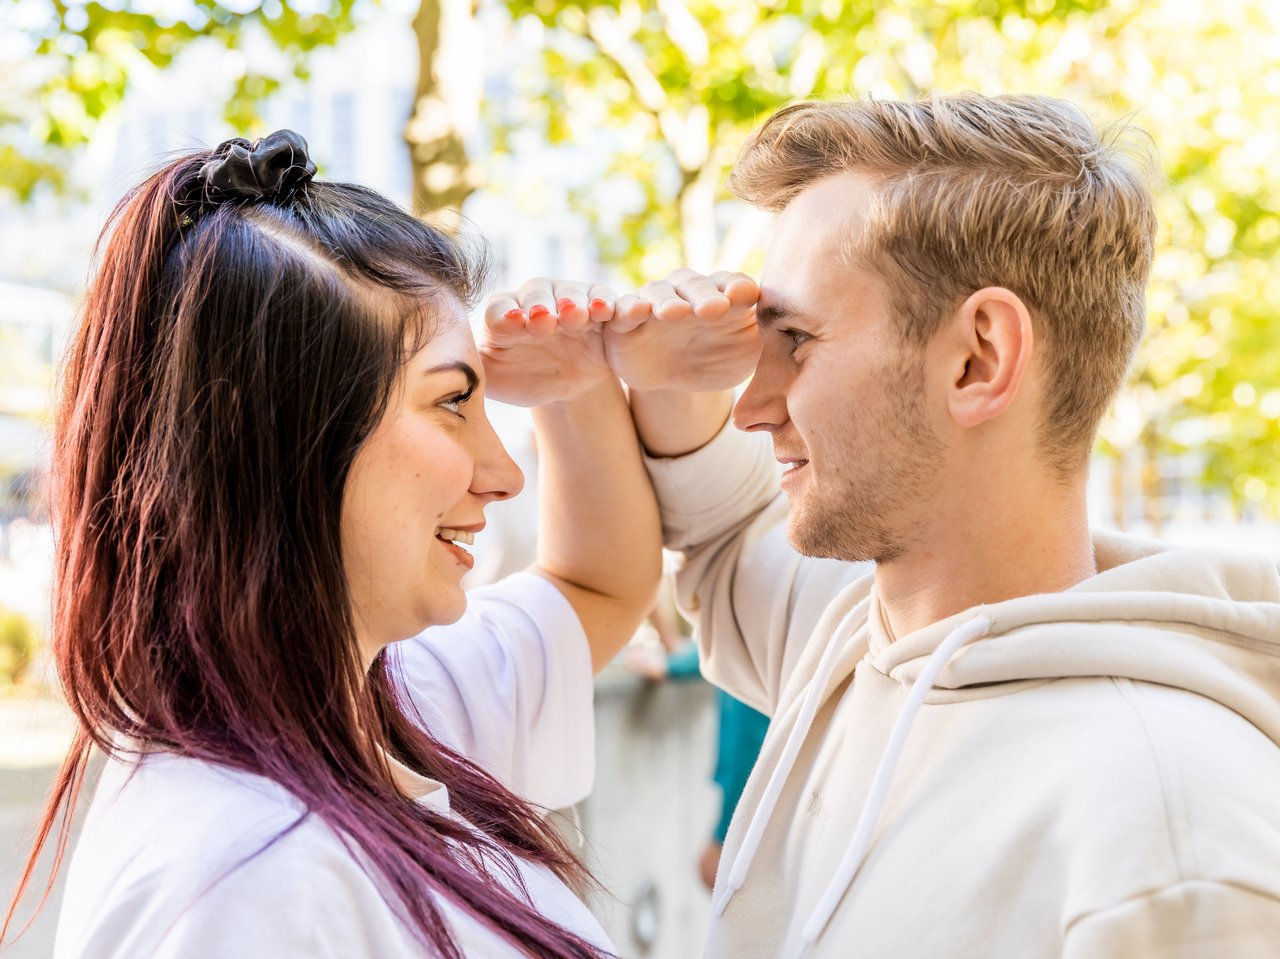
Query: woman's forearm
[[599, 534]]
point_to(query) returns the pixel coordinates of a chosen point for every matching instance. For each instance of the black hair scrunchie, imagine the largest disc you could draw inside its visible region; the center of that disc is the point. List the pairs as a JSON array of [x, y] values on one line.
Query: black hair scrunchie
[[274, 167]]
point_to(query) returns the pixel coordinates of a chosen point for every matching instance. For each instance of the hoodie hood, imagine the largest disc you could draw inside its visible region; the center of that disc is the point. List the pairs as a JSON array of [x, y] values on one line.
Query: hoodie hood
[[1207, 621], [1200, 620]]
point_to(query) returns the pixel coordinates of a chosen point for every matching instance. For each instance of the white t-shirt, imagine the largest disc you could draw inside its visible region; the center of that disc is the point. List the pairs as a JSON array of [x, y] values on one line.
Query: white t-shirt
[[157, 872]]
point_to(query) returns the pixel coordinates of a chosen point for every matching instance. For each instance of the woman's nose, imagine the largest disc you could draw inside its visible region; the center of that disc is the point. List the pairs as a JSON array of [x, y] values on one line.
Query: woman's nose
[[497, 475]]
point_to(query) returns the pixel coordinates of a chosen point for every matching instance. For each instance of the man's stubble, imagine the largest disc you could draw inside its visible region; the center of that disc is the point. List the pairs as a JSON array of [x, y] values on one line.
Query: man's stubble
[[880, 471]]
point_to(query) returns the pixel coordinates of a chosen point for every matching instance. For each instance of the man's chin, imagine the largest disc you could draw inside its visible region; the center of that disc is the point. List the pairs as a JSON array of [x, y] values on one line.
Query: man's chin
[[811, 542], [819, 538]]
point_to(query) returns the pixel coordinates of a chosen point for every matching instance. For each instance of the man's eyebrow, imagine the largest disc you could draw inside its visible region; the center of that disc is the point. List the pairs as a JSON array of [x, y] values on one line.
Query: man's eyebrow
[[770, 315], [473, 378], [774, 313]]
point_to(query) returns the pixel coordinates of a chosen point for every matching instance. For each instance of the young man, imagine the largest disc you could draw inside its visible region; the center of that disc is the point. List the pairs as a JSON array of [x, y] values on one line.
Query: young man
[[1016, 739]]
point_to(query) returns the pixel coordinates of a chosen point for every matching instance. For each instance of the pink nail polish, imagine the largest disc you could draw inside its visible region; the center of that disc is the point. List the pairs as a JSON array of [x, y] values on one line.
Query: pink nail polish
[[538, 311], [599, 304], [516, 314], [565, 303]]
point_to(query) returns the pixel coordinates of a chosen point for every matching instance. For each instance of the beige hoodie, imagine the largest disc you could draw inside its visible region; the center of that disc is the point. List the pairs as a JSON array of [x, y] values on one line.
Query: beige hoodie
[[1092, 774]]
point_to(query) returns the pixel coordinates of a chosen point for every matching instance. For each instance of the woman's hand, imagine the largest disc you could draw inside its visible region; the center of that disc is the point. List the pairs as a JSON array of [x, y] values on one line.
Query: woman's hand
[[544, 343], [689, 332]]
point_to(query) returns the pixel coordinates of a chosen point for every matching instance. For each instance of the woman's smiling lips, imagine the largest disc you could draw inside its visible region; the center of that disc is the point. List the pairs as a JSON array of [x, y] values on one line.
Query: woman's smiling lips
[[464, 558]]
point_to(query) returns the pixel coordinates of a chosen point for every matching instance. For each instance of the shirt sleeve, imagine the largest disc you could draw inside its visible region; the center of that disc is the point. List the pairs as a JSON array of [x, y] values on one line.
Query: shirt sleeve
[[509, 686], [1193, 919], [755, 600]]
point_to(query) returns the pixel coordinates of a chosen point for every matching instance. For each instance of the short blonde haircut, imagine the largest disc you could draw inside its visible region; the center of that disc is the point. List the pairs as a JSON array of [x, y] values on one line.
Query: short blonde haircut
[[1019, 192]]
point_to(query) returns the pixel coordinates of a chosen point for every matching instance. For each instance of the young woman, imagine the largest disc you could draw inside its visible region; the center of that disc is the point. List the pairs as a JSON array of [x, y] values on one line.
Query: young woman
[[272, 452]]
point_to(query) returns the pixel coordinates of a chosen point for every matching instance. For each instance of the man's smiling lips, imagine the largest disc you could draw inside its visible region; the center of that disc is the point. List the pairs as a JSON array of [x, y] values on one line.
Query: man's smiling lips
[[794, 466]]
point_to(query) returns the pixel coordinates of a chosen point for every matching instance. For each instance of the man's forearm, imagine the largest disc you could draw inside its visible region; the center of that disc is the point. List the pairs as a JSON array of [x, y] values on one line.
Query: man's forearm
[[673, 423]]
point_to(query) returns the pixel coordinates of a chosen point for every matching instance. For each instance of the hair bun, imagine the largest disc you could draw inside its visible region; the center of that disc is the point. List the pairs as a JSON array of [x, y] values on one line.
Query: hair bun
[[271, 168]]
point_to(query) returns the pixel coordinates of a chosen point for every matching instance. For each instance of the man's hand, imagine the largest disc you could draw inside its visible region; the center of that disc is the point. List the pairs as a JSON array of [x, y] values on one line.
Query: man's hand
[[543, 344], [688, 332]]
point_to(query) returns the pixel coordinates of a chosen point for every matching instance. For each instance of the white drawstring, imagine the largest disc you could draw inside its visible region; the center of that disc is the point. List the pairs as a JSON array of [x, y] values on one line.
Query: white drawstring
[[778, 778], [861, 842]]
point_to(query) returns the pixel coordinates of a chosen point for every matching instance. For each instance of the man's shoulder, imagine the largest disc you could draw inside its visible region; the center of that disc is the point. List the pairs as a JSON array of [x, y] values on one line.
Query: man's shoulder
[[1216, 768], [1158, 785], [1125, 732]]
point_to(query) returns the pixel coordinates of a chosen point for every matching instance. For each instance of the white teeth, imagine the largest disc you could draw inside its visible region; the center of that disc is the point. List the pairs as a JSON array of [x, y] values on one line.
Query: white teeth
[[457, 536]]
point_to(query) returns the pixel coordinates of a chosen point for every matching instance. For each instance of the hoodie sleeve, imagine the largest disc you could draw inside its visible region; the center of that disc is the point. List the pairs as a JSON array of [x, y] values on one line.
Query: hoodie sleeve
[[754, 599], [1193, 919]]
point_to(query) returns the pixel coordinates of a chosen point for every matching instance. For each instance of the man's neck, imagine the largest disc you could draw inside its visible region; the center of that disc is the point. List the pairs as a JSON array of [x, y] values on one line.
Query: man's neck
[[961, 561]]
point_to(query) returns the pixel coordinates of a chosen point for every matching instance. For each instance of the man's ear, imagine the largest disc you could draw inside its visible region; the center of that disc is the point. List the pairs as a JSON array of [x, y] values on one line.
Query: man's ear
[[991, 343]]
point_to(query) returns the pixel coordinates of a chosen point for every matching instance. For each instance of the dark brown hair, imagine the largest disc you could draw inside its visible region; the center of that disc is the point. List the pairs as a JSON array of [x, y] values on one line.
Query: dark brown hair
[[231, 359]]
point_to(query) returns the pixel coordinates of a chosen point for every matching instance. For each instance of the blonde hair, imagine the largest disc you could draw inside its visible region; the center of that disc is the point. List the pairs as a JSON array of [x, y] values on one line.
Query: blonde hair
[[1019, 192]]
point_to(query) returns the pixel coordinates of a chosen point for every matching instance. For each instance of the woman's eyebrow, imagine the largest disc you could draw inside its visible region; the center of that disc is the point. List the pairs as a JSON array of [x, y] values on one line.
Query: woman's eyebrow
[[473, 378]]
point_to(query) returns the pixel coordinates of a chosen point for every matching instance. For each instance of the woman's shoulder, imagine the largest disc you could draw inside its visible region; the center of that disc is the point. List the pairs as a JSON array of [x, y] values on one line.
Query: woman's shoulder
[[178, 855], [187, 802]]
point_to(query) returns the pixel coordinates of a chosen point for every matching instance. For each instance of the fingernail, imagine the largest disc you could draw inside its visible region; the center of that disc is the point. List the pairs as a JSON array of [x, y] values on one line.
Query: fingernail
[[599, 304], [537, 311], [515, 314], [564, 304]]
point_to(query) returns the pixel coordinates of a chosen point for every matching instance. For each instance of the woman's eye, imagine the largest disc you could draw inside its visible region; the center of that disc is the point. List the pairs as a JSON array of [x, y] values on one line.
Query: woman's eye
[[455, 404]]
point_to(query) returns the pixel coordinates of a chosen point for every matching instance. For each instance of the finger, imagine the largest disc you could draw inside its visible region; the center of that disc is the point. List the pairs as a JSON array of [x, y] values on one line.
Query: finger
[[571, 304], [601, 302], [741, 289], [704, 297], [503, 317], [682, 275], [668, 306], [537, 290], [630, 312], [537, 299]]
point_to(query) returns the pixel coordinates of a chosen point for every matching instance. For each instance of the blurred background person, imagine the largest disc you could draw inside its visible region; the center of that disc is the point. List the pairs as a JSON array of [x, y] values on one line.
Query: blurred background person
[[740, 730]]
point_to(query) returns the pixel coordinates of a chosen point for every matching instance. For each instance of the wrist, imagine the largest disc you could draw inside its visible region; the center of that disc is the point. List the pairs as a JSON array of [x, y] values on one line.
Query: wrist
[[588, 400], [673, 423]]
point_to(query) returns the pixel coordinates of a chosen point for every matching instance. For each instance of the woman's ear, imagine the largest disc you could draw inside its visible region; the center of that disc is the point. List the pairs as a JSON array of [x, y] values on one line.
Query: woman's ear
[[992, 343]]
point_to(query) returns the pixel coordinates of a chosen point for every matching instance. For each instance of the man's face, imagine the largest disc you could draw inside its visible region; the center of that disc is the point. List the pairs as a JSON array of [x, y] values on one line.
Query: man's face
[[843, 397]]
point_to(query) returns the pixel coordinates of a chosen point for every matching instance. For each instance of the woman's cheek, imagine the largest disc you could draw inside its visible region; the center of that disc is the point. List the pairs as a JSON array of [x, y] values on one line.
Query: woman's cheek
[[448, 467]]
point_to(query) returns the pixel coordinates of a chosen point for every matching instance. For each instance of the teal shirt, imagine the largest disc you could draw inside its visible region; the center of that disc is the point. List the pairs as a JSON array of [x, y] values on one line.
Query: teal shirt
[[741, 734]]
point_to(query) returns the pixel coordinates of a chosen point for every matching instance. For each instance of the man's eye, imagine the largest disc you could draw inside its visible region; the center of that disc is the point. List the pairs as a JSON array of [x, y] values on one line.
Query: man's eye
[[455, 403], [797, 337]]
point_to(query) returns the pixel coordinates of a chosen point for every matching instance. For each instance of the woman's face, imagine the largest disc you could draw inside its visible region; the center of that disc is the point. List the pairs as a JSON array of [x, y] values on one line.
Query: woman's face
[[426, 473]]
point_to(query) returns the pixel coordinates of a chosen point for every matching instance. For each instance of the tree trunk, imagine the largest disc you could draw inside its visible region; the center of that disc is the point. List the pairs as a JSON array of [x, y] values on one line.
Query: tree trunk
[[445, 110]]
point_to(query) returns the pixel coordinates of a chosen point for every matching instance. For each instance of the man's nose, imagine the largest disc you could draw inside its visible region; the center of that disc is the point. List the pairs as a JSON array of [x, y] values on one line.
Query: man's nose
[[762, 405]]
